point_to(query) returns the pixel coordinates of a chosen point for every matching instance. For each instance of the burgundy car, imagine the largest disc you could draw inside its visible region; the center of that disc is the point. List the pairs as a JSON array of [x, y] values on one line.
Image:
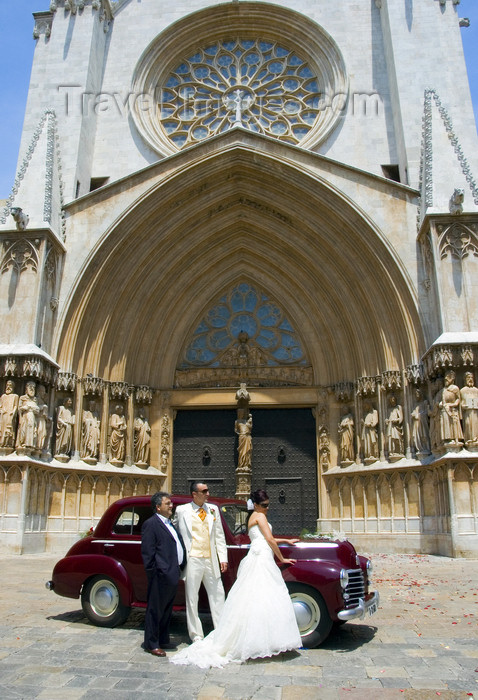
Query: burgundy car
[[328, 584]]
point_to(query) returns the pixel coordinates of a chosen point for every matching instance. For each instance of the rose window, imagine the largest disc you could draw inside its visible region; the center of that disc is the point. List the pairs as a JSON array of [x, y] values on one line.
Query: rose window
[[245, 315], [263, 86]]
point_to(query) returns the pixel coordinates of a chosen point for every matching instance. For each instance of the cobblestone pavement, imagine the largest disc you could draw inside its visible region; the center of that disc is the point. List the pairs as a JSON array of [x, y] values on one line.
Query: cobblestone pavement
[[422, 643]]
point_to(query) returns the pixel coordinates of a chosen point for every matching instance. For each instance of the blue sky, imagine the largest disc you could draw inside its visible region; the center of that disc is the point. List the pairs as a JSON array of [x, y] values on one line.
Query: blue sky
[[16, 53]]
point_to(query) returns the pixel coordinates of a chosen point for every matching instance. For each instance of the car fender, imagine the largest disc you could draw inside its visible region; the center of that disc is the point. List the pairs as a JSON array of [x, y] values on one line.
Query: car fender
[[71, 573], [324, 576]]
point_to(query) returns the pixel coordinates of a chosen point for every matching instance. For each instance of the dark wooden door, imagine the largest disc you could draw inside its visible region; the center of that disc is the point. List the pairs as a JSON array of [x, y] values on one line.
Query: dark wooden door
[[204, 448], [284, 462]]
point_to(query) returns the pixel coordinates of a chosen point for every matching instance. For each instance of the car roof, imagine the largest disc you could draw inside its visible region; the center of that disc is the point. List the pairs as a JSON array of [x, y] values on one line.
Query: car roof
[[176, 498]]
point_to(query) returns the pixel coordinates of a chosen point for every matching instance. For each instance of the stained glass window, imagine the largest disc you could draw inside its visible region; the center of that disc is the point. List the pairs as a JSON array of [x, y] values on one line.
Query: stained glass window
[[244, 310], [262, 85]]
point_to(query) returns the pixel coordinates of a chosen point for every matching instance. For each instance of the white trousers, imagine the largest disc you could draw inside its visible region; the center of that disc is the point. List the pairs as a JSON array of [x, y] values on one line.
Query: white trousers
[[199, 570]]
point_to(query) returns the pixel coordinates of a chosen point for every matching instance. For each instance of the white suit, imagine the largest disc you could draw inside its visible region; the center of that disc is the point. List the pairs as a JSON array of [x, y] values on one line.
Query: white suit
[[205, 570]]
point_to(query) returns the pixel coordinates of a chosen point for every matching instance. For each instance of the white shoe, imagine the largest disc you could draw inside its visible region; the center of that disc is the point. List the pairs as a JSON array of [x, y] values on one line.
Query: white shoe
[[197, 639]]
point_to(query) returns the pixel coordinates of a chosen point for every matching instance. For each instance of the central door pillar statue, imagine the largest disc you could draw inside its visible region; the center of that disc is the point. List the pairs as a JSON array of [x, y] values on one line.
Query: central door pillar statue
[[243, 428]]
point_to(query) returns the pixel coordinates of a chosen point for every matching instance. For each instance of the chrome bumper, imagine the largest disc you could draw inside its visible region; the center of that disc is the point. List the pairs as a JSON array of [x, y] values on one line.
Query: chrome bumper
[[363, 608]]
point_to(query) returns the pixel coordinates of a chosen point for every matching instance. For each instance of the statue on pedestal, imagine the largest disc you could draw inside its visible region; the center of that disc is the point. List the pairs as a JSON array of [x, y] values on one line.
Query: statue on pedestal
[[90, 434], [65, 420], [346, 432], [8, 416], [420, 425], [118, 435], [142, 438], [243, 428], [394, 429], [370, 433], [469, 410], [27, 420], [449, 412]]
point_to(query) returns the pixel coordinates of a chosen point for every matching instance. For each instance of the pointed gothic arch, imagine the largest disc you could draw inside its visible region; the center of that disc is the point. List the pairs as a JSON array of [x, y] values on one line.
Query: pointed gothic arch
[[235, 217]]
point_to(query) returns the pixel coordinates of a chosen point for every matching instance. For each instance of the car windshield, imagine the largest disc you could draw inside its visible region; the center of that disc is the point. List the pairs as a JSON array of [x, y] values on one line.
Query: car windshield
[[235, 516]]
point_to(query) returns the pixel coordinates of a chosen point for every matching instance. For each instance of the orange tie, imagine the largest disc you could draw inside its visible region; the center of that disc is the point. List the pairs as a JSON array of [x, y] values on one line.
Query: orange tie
[[202, 513]]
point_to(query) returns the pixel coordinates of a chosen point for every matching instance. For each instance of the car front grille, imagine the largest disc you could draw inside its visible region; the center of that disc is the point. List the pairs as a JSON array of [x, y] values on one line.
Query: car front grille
[[355, 588]]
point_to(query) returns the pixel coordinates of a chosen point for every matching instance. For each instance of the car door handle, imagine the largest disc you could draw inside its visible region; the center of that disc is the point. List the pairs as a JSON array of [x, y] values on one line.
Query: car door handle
[[109, 544]]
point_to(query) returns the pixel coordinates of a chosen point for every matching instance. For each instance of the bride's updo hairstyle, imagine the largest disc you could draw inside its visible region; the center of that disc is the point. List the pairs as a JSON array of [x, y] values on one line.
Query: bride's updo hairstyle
[[259, 496]]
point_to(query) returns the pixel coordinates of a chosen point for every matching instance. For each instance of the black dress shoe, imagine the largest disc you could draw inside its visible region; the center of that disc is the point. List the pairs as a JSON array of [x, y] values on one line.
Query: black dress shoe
[[156, 652]]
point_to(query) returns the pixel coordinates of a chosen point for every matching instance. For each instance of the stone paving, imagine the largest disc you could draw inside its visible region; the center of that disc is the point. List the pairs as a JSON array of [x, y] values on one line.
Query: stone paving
[[422, 643]]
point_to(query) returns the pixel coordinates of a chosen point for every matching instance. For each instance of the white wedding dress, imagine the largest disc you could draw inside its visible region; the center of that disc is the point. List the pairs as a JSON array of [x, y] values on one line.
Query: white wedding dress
[[258, 619]]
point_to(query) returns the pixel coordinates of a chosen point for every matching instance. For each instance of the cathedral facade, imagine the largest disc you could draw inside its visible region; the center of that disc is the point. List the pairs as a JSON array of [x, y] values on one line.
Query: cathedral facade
[[242, 246]]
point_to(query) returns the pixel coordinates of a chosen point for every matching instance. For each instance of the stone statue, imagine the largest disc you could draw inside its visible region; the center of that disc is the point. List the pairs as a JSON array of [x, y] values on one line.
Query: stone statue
[[8, 416], [394, 428], [118, 434], [43, 420], [243, 428], [142, 438], [369, 432], [27, 419], [449, 416], [346, 432], [90, 434], [435, 421], [469, 409], [420, 426], [65, 420]]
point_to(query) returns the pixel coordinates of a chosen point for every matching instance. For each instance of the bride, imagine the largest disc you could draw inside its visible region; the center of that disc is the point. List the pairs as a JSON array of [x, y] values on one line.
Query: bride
[[258, 619]]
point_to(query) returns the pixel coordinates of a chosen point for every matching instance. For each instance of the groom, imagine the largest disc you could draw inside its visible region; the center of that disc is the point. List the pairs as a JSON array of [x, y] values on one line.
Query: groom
[[201, 529]]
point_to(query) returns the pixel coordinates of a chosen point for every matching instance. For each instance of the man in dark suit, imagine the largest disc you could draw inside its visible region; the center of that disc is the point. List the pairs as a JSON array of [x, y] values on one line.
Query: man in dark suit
[[163, 555]]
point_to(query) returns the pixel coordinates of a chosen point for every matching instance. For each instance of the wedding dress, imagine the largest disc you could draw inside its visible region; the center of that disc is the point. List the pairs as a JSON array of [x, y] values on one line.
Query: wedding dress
[[258, 619]]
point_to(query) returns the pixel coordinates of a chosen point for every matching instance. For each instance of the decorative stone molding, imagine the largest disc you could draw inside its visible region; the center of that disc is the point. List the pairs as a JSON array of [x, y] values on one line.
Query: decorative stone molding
[[119, 390], [143, 394], [165, 443], [28, 367], [344, 391], [51, 266], [43, 22], [467, 356], [392, 380], [21, 255], [367, 386], [415, 374], [253, 376], [92, 385], [52, 152], [457, 239], [442, 357], [66, 381]]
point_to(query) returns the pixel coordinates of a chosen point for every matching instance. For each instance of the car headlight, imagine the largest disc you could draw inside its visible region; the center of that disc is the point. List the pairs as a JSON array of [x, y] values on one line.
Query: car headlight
[[369, 571], [344, 578]]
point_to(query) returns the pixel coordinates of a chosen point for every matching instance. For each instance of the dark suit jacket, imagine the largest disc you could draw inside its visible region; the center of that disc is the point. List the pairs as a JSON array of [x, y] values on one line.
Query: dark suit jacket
[[159, 552]]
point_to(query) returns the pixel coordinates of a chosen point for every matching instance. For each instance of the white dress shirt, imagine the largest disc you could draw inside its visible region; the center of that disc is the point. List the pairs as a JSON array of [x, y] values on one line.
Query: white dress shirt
[[173, 532]]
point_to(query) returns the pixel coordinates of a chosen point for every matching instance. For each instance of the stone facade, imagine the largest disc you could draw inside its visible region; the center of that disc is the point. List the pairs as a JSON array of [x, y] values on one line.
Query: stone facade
[[280, 196]]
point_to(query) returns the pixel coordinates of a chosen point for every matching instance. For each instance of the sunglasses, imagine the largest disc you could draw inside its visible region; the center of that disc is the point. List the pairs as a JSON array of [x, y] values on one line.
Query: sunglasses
[[203, 491], [263, 505]]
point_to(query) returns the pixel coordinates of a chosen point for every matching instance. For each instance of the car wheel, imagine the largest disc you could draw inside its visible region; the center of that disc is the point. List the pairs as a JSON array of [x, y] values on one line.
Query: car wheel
[[311, 613], [101, 602]]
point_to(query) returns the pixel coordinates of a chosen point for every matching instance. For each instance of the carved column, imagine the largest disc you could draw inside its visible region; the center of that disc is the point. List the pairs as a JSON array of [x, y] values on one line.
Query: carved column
[[129, 458], [105, 416], [243, 428], [78, 420]]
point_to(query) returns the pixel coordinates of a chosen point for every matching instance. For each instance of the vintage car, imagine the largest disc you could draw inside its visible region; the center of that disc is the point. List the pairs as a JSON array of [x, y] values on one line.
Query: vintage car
[[329, 583]]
